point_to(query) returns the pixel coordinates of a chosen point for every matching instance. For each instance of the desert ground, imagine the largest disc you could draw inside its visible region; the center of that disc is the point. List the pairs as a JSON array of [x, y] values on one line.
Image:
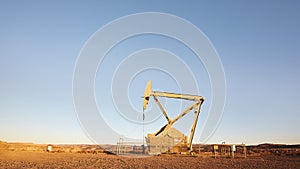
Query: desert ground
[[85, 156], [25, 159]]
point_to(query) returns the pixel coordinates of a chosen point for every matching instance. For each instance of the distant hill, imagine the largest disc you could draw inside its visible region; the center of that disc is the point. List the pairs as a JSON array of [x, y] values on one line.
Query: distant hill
[[205, 149], [274, 149]]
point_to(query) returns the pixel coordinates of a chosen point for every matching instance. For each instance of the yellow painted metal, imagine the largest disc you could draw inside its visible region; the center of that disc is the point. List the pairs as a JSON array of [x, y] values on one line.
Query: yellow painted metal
[[177, 96], [147, 94], [194, 125], [162, 109]]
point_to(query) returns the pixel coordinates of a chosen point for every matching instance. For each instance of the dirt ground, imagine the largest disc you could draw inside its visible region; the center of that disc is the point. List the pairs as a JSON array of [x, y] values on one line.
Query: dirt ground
[[25, 159]]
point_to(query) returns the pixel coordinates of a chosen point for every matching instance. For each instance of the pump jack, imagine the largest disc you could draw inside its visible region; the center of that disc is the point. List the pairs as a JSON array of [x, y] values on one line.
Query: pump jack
[[169, 138]]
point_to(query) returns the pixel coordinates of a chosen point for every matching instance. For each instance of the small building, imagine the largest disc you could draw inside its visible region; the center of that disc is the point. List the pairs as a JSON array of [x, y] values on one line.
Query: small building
[[49, 148]]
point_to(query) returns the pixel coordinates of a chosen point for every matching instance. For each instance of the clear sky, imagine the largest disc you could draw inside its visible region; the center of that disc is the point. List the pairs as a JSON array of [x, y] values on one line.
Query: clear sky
[[258, 43]]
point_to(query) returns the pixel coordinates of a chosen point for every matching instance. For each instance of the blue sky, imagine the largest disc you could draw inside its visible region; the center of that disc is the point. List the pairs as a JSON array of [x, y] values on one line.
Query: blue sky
[[257, 41]]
